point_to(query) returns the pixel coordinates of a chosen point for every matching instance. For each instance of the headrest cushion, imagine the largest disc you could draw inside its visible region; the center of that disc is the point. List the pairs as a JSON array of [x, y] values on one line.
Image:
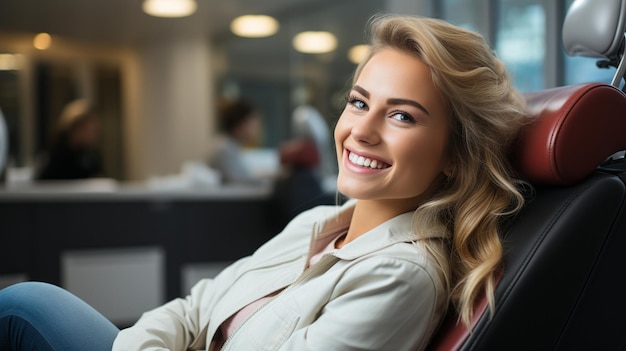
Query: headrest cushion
[[594, 28], [575, 128]]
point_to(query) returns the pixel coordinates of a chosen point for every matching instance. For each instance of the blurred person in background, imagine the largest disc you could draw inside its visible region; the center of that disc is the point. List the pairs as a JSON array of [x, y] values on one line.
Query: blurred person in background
[[74, 152], [240, 123], [309, 176]]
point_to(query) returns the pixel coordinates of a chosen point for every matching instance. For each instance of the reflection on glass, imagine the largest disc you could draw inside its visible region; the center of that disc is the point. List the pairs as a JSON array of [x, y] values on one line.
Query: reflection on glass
[[520, 41]]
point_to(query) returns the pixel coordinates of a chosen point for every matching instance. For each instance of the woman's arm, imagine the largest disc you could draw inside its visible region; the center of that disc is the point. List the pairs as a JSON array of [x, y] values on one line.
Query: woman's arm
[[179, 323]]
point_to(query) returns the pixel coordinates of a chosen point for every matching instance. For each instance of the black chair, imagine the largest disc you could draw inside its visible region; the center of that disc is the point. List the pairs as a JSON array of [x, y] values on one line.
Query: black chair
[[563, 284]]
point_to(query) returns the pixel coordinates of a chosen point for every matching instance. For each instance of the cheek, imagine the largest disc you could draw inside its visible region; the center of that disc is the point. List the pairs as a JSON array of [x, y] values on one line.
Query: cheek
[[340, 133], [426, 158]]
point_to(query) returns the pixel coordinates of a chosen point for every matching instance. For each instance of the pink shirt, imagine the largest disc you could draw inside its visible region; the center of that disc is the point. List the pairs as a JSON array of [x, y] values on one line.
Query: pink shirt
[[231, 324]]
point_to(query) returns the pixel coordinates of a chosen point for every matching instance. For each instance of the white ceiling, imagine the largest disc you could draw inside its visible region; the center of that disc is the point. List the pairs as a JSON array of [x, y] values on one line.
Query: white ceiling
[[123, 22]]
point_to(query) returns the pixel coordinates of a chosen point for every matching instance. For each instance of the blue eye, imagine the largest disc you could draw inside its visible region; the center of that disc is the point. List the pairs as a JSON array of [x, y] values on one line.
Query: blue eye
[[359, 104], [402, 117]]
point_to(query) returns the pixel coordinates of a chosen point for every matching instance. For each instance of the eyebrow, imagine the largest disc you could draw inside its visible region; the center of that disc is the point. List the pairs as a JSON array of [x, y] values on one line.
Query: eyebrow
[[394, 101]]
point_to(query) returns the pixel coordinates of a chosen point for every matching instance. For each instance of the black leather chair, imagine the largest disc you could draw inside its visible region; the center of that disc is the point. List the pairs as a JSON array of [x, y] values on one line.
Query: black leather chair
[[563, 285]]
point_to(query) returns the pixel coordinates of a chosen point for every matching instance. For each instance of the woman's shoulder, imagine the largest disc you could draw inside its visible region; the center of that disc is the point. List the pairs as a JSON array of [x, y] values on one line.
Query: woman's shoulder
[[407, 259]]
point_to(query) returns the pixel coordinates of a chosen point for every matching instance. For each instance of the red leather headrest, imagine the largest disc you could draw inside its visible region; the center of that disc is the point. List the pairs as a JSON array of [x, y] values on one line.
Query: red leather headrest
[[575, 128]]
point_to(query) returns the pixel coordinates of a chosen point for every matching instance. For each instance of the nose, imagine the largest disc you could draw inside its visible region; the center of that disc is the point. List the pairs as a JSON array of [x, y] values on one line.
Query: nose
[[367, 128]]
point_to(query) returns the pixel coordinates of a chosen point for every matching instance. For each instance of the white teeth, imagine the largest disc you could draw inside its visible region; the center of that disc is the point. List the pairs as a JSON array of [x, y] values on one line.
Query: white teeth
[[365, 162]]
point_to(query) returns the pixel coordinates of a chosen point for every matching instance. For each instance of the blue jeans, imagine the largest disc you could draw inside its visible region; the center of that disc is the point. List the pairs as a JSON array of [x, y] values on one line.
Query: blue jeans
[[40, 316]]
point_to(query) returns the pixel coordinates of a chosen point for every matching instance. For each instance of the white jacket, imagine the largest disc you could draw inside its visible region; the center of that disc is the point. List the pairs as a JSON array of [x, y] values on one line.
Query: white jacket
[[379, 292]]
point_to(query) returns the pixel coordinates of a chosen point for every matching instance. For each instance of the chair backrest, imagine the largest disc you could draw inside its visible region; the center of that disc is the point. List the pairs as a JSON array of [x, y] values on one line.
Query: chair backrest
[[565, 250]]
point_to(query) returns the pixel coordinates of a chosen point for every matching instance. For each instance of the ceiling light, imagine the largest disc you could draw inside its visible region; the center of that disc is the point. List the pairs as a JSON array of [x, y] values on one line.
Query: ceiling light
[[42, 41], [315, 42], [357, 53], [254, 26], [169, 8]]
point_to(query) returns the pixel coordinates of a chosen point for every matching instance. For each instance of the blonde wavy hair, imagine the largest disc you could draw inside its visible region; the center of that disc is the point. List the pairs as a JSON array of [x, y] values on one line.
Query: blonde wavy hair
[[480, 190]]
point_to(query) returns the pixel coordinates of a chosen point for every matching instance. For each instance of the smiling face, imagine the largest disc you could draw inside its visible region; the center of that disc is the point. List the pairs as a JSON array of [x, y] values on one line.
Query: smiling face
[[391, 137]]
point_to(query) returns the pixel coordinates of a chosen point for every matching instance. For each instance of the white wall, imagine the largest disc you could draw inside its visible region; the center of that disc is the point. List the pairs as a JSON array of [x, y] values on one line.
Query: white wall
[[174, 108]]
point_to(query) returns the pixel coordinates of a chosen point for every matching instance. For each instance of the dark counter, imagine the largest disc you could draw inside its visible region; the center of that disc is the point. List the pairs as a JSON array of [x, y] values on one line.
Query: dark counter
[[190, 226]]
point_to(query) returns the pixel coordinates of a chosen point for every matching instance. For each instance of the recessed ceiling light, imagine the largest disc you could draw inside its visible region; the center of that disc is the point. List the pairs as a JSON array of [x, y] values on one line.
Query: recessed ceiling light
[[254, 26], [169, 8], [42, 41], [357, 53], [315, 42]]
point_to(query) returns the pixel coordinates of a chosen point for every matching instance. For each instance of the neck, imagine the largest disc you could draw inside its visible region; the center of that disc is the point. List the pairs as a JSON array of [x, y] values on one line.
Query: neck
[[369, 214]]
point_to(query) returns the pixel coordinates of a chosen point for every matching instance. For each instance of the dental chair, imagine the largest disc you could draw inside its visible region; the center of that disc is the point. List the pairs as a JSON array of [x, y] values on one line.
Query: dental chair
[[563, 285]]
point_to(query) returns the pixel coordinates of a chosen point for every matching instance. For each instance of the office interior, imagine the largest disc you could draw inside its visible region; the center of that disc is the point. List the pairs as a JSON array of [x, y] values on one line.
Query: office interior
[[158, 219]]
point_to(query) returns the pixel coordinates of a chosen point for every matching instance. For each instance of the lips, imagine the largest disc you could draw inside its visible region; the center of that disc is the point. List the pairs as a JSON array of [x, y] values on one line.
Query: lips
[[366, 162]]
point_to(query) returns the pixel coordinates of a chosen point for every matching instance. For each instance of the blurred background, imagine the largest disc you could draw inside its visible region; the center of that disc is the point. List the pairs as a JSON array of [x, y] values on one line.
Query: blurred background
[[156, 80], [156, 215]]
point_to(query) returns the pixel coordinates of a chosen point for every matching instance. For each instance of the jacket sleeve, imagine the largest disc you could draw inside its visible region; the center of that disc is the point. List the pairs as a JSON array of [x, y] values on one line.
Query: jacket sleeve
[[179, 323], [381, 303]]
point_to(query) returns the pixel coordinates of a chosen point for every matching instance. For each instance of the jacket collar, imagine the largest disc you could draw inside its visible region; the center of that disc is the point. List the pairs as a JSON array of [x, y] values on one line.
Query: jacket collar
[[395, 230]]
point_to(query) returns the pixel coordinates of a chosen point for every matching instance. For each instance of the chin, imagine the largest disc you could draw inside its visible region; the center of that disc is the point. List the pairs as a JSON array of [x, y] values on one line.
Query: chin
[[346, 190], [354, 191]]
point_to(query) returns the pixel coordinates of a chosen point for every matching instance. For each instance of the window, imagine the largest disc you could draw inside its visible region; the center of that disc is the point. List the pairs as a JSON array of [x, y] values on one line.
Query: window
[[520, 41], [469, 14], [519, 32]]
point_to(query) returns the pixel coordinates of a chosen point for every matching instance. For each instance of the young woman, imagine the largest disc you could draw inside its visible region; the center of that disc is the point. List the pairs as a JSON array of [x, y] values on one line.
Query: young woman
[[421, 146]]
